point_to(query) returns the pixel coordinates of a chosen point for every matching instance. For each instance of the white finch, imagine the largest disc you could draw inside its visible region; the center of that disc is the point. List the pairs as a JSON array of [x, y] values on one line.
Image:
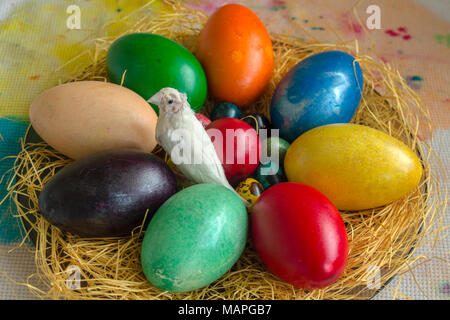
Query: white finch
[[183, 137]]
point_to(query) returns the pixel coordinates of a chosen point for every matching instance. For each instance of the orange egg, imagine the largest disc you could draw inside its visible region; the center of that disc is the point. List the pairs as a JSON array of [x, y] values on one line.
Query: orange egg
[[236, 53]]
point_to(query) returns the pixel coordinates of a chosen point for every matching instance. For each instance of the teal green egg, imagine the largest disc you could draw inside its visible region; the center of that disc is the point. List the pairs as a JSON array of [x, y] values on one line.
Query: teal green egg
[[225, 110], [194, 238], [149, 62], [270, 174], [277, 145]]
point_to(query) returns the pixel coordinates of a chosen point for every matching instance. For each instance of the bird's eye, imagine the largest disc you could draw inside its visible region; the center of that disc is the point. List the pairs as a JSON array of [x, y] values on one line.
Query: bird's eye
[[170, 101]]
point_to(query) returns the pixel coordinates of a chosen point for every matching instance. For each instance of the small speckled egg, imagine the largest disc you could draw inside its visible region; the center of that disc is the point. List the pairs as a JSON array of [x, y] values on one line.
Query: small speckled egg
[[258, 122], [226, 110], [250, 189], [270, 174]]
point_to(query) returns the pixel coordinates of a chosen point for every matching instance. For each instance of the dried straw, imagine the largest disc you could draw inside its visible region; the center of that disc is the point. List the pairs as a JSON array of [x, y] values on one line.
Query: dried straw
[[383, 239]]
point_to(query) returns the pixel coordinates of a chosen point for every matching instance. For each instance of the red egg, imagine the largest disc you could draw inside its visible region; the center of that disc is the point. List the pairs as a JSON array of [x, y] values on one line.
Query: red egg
[[237, 145], [299, 235], [203, 119]]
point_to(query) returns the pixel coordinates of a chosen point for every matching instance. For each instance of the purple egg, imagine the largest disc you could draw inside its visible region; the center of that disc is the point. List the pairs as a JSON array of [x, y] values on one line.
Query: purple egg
[[107, 193]]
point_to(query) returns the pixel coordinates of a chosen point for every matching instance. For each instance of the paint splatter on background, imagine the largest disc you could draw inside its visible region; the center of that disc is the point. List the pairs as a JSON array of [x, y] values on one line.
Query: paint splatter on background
[[400, 32], [414, 82], [11, 130]]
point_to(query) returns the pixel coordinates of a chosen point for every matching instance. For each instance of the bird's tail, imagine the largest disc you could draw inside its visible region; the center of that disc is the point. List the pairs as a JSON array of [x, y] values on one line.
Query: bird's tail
[[246, 203]]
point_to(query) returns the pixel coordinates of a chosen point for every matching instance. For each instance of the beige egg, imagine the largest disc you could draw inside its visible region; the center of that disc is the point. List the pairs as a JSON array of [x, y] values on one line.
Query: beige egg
[[80, 118]]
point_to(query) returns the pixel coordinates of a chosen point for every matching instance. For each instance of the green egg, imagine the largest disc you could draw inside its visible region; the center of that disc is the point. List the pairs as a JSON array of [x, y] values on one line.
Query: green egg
[[270, 174], [277, 144], [149, 62], [194, 238]]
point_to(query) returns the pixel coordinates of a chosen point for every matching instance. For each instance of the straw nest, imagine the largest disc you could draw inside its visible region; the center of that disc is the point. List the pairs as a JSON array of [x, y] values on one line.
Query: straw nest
[[381, 241]]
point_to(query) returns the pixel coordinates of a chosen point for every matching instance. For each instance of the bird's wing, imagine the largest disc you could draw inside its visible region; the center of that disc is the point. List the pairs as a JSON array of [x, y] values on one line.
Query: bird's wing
[[205, 165], [209, 170], [213, 167]]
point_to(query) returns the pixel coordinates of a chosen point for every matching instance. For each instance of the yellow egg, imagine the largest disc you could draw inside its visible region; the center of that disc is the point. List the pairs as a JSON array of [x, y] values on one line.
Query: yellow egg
[[355, 166], [250, 189], [80, 118]]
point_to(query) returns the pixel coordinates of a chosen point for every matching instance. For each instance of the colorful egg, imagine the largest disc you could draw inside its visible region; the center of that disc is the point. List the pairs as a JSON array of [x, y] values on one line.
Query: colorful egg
[[258, 122], [235, 50], [250, 189], [355, 166], [203, 119], [194, 238], [237, 146], [322, 89], [299, 235], [225, 110], [148, 62], [85, 117], [107, 194], [270, 174], [276, 148]]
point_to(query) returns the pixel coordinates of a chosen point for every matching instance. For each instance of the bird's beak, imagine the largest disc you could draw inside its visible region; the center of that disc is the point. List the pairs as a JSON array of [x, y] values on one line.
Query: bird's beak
[[156, 98]]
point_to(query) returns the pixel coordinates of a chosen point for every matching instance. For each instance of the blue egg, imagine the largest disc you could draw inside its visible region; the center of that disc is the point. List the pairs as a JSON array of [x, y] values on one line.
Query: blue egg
[[322, 89]]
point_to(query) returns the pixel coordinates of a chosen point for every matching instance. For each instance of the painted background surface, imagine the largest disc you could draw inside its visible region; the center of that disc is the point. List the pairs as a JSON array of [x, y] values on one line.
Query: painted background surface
[[36, 48]]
